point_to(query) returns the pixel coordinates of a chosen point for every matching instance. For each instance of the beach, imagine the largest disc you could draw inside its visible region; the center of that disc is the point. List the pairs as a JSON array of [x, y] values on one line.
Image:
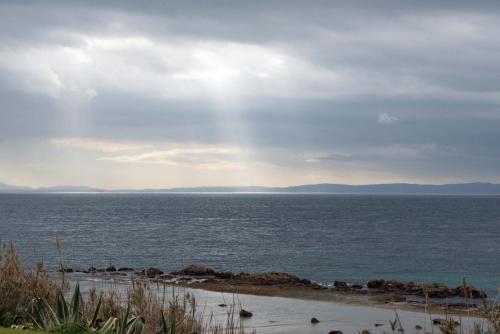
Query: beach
[[277, 314]]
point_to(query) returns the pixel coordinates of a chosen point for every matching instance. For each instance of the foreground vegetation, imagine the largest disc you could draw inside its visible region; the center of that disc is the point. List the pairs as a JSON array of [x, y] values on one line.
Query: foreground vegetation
[[36, 300], [39, 303]]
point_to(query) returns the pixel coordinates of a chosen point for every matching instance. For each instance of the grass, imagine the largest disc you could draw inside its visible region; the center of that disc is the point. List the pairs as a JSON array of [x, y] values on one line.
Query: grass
[[36, 299], [6, 330]]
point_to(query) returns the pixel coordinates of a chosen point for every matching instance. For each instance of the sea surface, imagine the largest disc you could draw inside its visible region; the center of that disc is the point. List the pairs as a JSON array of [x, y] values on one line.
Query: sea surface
[[321, 237]]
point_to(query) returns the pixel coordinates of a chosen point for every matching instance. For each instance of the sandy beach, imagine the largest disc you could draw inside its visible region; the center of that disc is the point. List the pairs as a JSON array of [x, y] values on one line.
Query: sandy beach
[[290, 311]]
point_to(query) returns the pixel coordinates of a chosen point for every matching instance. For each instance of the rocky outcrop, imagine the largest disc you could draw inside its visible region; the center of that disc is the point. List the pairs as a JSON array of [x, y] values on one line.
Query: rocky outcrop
[[151, 272], [440, 322], [272, 278], [344, 286], [435, 290], [194, 270], [245, 314], [375, 283]]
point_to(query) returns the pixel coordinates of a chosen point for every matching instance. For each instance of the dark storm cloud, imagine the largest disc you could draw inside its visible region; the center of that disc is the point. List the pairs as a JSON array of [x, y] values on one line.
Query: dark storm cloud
[[430, 69]]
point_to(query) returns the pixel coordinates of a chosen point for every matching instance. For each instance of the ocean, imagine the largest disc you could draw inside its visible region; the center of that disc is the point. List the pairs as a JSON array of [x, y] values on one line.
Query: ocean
[[316, 236]]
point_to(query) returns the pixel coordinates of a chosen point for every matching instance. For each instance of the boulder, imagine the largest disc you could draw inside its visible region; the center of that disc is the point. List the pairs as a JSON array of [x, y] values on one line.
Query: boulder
[[194, 270], [110, 269], [339, 285], [92, 269], [245, 313], [471, 292], [440, 321], [151, 272], [314, 321], [375, 283], [224, 274], [270, 278], [335, 332], [125, 269], [66, 270], [184, 279], [166, 276]]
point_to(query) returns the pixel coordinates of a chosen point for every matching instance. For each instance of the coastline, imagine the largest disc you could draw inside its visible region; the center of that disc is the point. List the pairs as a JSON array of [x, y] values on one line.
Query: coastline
[[387, 295], [287, 310]]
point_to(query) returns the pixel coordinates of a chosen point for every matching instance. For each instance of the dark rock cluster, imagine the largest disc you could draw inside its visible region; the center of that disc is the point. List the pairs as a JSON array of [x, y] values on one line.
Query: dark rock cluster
[[194, 270], [209, 275], [436, 290]]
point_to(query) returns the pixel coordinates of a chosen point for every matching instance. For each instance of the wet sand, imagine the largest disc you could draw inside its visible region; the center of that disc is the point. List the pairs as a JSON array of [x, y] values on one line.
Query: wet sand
[[280, 311], [378, 300]]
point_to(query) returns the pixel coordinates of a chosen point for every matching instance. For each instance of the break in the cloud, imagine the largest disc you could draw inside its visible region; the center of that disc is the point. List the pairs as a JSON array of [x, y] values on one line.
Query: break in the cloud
[[201, 157], [121, 94]]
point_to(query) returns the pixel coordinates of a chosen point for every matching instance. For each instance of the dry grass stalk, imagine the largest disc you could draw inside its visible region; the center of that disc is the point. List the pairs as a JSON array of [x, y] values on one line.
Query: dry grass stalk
[[18, 285]]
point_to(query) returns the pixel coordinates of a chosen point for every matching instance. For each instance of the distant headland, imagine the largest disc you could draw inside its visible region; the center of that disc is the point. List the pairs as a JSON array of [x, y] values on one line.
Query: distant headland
[[475, 188]]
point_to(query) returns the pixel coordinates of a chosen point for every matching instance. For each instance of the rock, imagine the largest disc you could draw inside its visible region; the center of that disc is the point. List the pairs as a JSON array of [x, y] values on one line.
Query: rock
[[375, 283], [440, 321], [110, 269], [224, 274], [339, 285], [151, 272], [314, 320], [305, 281], [471, 292], [185, 279], [166, 276], [66, 270], [393, 285], [335, 332], [245, 314], [125, 269], [194, 270], [271, 278], [209, 281], [378, 325], [356, 287], [222, 305], [418, 328], [92, 269]]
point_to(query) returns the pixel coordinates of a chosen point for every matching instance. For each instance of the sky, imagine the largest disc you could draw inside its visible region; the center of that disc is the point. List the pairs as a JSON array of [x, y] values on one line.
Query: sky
[[155, 94]]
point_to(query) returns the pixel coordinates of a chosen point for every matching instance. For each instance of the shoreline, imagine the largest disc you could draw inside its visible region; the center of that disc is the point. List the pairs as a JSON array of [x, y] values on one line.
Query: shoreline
[[291, 315], [435, 298]]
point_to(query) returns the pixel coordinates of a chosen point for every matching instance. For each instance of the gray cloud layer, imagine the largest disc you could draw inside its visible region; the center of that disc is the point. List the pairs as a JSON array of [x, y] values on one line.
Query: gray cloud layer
[[331, 91]]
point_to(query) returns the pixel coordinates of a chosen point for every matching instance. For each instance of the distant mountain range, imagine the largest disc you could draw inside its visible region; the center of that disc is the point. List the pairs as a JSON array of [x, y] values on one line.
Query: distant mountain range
[[477, 188]]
